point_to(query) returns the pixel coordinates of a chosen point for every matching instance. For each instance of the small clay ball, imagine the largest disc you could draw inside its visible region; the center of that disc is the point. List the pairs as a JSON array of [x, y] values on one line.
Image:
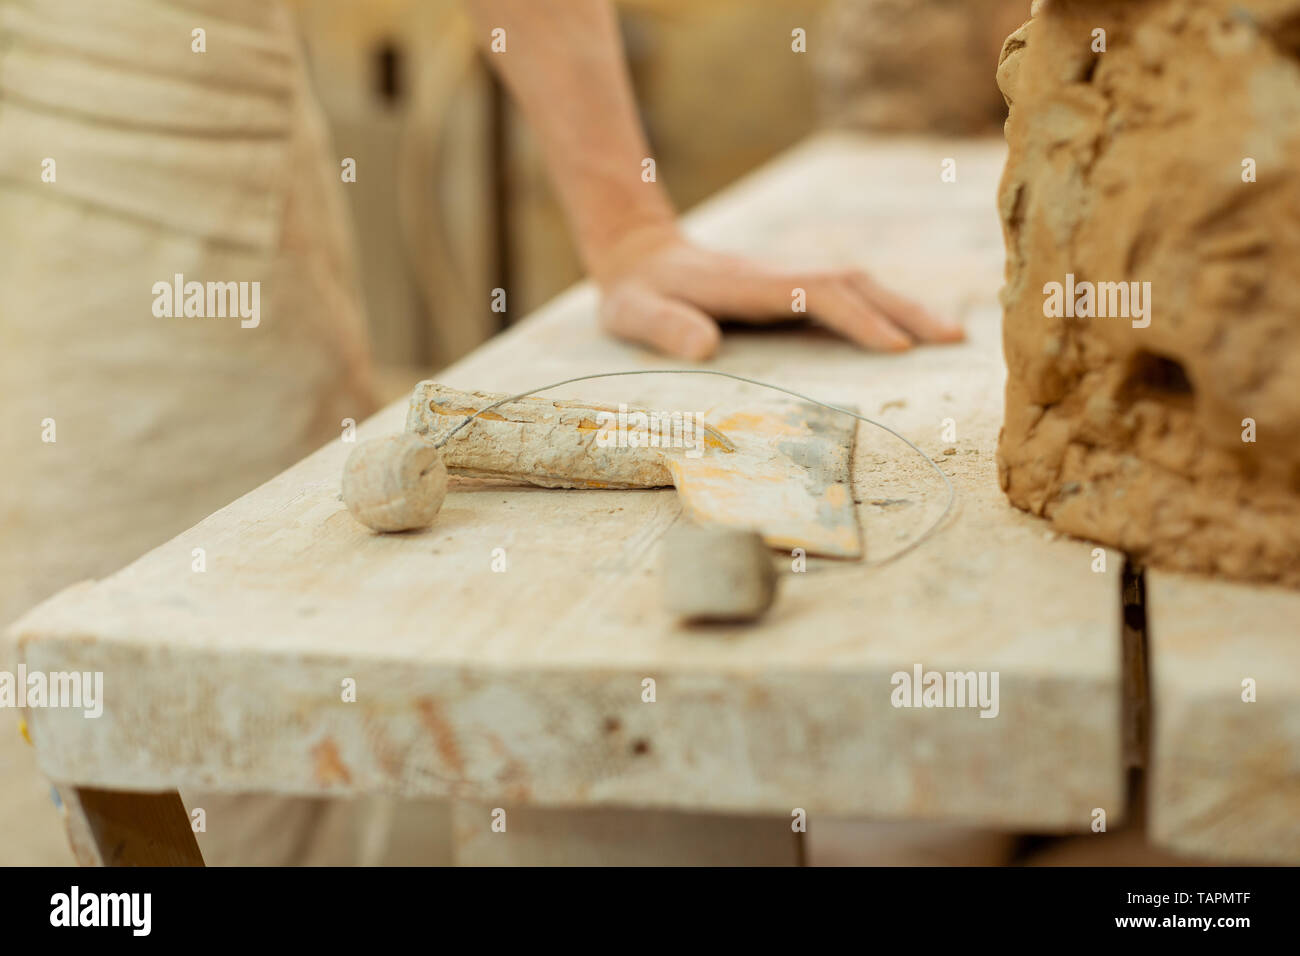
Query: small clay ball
[[716, 574], [395, 483]]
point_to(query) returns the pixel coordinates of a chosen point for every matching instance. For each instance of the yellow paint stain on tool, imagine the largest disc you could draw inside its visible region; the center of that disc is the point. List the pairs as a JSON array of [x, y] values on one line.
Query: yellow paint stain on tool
[[459, 412], [765, 424]]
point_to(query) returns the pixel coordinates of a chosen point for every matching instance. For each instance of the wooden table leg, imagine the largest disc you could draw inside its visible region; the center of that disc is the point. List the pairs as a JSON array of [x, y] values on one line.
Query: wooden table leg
[[618, 837], [124, 828]]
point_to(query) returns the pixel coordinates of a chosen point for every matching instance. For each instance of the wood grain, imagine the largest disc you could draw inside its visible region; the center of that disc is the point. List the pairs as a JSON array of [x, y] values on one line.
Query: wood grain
[[1226, 772], [117, 828]]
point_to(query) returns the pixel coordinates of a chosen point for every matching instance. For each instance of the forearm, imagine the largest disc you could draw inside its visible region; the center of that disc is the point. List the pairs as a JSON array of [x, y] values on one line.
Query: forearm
[[564, 67]]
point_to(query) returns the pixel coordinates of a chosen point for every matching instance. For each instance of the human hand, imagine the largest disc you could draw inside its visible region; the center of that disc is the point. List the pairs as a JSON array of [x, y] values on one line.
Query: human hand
[[661, 290]]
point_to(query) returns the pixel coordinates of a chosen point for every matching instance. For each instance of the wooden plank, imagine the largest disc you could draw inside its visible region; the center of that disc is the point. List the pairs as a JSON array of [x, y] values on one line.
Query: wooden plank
[[119, 828], [1226, 772], [484, 835], [832, 842], [1136, 694], [76, 827], [526, 685]]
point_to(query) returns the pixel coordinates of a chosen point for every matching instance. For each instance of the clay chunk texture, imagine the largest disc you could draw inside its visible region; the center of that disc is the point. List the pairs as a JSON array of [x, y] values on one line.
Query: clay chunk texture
[[1168, 168]]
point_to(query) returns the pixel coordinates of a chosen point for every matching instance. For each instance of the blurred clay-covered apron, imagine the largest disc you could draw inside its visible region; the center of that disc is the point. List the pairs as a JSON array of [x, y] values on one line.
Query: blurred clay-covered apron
[[214, 166], [166, 161]]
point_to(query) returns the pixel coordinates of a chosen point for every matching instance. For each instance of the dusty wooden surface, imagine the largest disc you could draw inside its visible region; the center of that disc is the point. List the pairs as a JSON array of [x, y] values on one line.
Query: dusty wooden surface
[[1225, 770], [525, 686]]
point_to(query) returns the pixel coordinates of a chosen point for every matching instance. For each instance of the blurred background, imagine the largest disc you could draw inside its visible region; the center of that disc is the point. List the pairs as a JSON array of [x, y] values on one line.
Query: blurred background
[[454, 198]]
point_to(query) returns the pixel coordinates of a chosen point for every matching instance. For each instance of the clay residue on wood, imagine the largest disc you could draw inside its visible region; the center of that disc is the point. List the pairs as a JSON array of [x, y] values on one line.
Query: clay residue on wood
[[330, 768], [444, 735], [1127, 166]]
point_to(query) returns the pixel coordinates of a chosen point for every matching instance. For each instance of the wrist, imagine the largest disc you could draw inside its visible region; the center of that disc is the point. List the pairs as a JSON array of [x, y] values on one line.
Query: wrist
[[611, 253]]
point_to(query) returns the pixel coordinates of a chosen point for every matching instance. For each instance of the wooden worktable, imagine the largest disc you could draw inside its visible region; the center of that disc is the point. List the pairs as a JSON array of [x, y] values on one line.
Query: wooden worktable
[[524, 687]]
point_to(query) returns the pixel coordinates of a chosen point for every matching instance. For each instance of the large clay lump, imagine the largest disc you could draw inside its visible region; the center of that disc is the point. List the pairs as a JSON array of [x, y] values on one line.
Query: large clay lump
[[1151, 212]]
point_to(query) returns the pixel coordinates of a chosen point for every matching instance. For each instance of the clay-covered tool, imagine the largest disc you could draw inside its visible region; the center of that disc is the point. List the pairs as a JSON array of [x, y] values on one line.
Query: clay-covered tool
[[779, 468]]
